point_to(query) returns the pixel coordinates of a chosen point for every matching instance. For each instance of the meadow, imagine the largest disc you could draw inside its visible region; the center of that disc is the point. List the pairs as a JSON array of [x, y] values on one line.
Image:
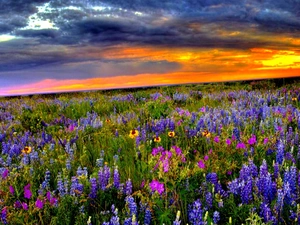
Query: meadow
[[190, 154]]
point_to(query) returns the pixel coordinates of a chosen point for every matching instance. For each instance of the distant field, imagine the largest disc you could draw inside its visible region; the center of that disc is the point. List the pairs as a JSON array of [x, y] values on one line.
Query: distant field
[[224, 153]]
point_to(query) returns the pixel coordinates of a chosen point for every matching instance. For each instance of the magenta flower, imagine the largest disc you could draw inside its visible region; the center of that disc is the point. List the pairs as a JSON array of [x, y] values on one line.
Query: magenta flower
[[27, 192], [201, 164], [24, 206], [206, 157], [11, 190], [252, 140], [39, 204], [157, 186], [5, 174], [266, 140], [241, 145], [143, 184], [166, 165], [228, 141], [217, 139]]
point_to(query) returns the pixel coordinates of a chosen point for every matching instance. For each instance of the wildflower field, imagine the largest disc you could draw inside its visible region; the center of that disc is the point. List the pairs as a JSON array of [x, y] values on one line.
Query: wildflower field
[[193, 154]]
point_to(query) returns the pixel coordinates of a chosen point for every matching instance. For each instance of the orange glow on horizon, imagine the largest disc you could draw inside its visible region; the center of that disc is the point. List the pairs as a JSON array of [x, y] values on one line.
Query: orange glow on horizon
[[50, 86]]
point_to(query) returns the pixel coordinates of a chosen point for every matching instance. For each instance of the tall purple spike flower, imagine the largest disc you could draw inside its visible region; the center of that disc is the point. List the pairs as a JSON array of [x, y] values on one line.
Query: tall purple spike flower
[[131, 205], [128, 187], [216, 217], [280, 152], [195, 213], [147, 218], [116, 178], [246, 192], [115, 218], [4, 215], [94, 188], [266, 213]]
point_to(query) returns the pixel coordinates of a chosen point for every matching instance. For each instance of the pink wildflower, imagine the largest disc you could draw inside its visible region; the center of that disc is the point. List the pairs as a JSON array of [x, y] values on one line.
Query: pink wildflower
[[201, 164]]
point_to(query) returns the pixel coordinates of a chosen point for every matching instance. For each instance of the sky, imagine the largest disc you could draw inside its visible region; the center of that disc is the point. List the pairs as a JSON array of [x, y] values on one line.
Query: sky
[[51, 46]]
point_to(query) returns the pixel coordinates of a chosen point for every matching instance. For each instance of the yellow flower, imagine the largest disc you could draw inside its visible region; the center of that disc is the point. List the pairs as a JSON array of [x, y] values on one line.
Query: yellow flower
[[206, 134], [133, 133], [294, 99], [107, 120], [157, 139], [171, 134], [26, 150]]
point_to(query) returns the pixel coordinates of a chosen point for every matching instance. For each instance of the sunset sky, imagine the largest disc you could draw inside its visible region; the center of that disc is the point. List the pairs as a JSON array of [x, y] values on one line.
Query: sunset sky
[[68, 45]]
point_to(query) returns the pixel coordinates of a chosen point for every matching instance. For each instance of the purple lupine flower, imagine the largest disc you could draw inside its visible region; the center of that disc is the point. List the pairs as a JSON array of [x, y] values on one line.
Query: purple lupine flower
[[216, 217], [128, 187], [27, 191], [131, 205], [280, 152], [266, 213], [236, 133], [195, 213], [99, 162], [39, 204], [290, 176], [76, 187], [106, 174], [279, 202], [127, 221], [68, 164], [116, 177], [209, 199], [147, 218], [18, 204], [94, 188], [246, 192], [4, 215], [253, 168], [60, 186], [46, 182], [101, 179], [115, 218], [212, 177], [276, 170]]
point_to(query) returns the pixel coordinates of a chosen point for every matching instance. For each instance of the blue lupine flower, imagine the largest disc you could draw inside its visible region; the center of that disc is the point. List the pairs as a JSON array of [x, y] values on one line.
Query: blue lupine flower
[[76, 187], [246, 192], [209, 199], [266, 213], [147, 219], [195, 213], [94, 188], [216, 217], [280, 152], [60, 186], [128, 187], [131, 205], [115, 218], [116, 178]]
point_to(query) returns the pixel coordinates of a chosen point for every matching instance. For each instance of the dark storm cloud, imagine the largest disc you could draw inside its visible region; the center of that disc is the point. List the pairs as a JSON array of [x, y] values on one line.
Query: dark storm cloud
[[118, 23]]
